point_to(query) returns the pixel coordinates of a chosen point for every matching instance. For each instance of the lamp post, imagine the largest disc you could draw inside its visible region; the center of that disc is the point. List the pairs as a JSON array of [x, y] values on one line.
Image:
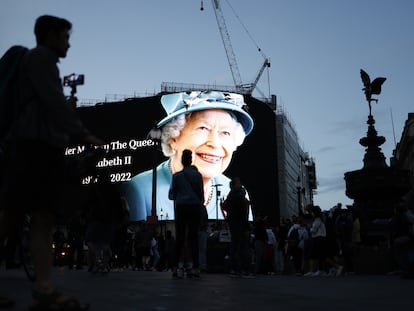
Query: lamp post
[[218, 193], [162, 224], [155, 136]]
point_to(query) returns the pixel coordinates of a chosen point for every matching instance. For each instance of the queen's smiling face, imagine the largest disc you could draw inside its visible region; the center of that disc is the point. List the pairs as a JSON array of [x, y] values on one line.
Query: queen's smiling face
[[211, 136]]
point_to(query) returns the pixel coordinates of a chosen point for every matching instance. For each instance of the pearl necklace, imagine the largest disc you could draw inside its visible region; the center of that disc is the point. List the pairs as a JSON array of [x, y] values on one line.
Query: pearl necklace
[[210, 196]]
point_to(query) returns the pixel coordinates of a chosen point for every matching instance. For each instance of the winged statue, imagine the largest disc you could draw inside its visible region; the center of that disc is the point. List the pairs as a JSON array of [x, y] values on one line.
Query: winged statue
[[371, 88]]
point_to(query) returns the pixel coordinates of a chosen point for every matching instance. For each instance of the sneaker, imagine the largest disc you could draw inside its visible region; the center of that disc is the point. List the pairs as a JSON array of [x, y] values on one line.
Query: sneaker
[[339, 271], [246, 275], [332, 272], [310, 273], [234, 274], [105, 270], [317, 273]]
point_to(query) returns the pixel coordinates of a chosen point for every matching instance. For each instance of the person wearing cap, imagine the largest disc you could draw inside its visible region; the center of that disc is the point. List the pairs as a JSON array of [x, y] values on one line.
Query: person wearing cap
[[212, 125]]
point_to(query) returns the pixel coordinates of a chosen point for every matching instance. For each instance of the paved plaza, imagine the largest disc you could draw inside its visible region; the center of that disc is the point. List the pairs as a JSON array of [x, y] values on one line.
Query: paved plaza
[[157, 291]]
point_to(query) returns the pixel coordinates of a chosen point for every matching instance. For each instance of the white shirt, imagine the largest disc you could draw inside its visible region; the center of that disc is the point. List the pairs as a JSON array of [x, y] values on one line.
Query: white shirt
[[271, 239], [318, 228]]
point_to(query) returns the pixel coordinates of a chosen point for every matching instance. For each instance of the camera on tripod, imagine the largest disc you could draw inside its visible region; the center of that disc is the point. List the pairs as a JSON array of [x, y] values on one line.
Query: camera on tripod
[[73, 80]]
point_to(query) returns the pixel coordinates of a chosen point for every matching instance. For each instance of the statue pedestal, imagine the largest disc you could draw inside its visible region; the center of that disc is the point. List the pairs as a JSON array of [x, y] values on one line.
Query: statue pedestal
[[376, 188]]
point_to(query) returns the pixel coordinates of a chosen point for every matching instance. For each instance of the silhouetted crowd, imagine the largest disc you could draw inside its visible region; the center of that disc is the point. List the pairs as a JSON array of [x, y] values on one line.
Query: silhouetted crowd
[[290, 247]]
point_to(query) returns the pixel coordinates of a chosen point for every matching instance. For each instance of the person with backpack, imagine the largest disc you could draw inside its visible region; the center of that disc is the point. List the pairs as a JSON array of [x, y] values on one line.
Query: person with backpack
[[296, 238], [45, 124]]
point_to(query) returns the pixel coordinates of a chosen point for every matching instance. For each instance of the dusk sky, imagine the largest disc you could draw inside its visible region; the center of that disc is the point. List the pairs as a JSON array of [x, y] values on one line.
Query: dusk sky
[[316, 49]]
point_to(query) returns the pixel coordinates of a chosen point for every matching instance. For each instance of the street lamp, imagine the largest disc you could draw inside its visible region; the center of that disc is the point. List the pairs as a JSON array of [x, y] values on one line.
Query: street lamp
[[155, 136], [218, 193], [162, 224]]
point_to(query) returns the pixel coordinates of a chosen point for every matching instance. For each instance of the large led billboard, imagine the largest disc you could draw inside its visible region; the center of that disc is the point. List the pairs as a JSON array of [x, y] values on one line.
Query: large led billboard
[[132, 156]]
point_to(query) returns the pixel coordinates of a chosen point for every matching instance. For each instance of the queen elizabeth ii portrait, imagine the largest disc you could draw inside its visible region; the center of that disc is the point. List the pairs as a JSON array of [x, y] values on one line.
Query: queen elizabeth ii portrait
[[212, 125]]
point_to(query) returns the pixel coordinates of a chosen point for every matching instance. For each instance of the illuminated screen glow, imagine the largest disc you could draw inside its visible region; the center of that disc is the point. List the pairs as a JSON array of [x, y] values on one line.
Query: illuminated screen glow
[[131, 157]]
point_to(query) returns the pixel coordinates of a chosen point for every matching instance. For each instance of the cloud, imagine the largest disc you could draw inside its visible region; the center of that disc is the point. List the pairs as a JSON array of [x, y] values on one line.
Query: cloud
[[331, 184]]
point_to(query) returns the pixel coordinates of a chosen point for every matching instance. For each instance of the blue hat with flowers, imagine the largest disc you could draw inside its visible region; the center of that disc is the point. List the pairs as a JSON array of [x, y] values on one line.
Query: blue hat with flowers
[[181, 103]]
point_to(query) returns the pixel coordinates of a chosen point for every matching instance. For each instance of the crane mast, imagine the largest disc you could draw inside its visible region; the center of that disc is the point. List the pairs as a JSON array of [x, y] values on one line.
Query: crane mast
[[231, 57], [266, 63]]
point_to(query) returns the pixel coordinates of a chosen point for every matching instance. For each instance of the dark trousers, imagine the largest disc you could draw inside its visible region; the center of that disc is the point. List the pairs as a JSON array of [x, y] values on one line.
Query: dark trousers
[[187, 224], [75, 253], [297, 256], [239, 248]]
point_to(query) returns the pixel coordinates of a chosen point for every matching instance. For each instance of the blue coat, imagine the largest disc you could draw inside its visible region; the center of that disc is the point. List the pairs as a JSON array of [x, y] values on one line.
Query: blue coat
[[138, 193]]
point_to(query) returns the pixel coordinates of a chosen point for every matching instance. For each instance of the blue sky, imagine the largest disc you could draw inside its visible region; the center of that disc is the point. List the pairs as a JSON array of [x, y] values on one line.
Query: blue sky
[[316, 49]]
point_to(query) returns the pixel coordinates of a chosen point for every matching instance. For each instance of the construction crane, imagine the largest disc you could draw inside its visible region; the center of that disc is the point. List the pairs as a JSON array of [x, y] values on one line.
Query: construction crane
[[231, 57]]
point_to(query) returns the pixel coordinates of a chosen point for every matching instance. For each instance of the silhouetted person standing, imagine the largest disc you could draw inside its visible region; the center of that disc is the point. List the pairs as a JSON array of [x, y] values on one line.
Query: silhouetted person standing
[[188, 194], [236, 207], [105, 215], [35, 162], [76, 227]]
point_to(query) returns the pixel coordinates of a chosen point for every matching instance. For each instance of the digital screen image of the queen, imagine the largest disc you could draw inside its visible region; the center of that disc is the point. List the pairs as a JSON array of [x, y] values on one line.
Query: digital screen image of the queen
[[212, 125]]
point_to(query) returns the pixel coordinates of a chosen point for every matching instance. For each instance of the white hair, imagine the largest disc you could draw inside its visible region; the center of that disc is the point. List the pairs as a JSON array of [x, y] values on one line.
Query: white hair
[[173, 129]]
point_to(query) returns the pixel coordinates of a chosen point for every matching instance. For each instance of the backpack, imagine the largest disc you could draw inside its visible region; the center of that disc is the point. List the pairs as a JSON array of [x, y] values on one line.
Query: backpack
[[293, 239], [9, 68]]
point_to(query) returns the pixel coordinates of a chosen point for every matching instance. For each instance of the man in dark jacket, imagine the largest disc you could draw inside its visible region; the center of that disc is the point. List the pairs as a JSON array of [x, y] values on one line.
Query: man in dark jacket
[[34, 175], [236, 207], [187, 191]]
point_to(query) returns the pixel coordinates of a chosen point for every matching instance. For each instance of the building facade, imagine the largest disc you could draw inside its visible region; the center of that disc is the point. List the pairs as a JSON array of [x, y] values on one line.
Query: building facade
[[403, 154], [296, 169]]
